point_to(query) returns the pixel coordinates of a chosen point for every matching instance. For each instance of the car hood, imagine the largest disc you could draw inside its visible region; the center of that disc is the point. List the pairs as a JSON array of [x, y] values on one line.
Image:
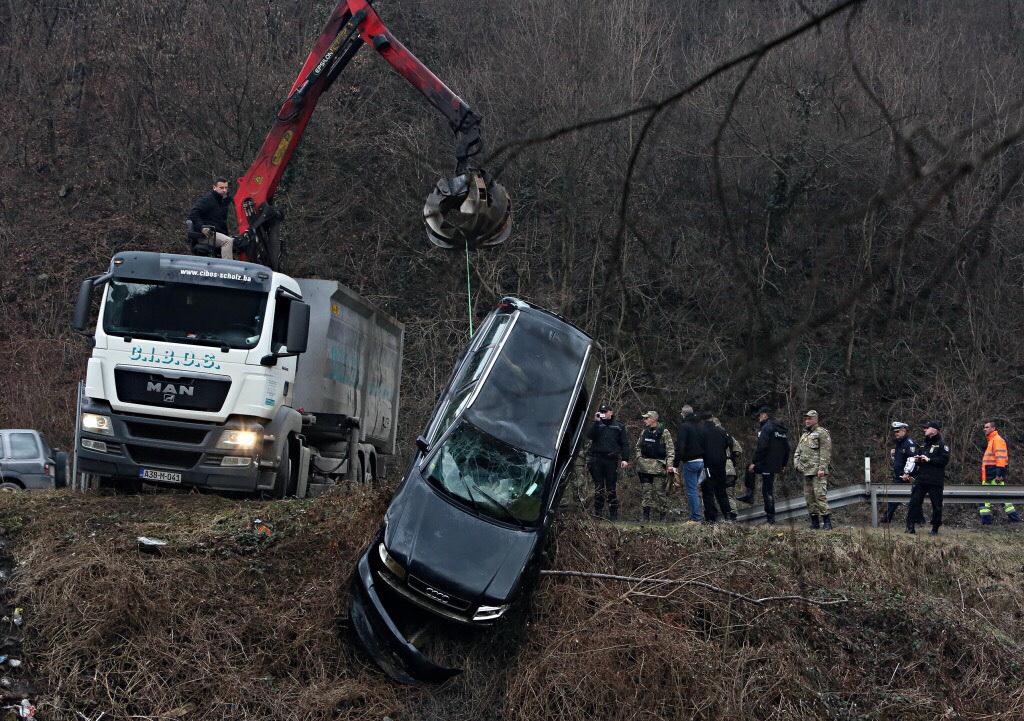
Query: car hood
[[448, 547]]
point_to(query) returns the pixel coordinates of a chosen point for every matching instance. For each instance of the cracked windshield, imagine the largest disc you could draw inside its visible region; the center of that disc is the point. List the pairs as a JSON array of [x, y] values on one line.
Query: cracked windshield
[[496, 479], [201, 315]]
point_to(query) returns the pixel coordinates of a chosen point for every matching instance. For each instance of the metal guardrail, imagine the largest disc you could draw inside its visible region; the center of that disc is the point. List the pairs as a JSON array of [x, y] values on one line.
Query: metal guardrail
[[875, 493]]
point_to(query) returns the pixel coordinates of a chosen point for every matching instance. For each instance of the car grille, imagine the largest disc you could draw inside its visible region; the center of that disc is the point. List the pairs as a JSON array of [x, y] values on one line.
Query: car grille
[[166, 433], [437, 596], [171, 391], [147, 455]]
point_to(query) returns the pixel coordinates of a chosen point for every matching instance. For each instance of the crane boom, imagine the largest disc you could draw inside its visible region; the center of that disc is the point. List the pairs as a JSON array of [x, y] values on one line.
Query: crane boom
[[352, 24]]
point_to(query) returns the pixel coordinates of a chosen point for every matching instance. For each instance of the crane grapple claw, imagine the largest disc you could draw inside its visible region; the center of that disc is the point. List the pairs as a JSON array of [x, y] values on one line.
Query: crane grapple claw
[[467, 211]]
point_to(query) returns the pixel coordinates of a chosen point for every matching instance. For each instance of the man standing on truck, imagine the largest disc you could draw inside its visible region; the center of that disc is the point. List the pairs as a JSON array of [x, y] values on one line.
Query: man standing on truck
[[609, 451], [209, 216], [994, 466], [654, 455]]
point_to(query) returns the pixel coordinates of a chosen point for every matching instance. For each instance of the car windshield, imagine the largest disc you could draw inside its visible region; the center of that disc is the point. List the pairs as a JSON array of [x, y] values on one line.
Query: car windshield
[[196, 314], [494, 478]]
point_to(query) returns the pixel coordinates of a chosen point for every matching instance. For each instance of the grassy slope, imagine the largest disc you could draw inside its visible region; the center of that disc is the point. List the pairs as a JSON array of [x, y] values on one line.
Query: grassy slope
[[226, 625]]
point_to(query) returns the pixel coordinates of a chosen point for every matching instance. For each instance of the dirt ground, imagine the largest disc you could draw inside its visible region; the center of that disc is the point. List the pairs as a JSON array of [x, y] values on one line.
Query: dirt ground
[[230, 622]]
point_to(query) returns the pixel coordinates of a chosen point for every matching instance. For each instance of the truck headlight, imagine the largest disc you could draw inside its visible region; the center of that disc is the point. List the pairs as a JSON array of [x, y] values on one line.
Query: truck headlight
[[390, 563], [95, 423], [239, 440], [489, 613]]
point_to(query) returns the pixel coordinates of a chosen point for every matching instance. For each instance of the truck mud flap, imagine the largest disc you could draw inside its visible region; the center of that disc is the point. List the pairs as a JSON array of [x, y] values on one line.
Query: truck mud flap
[[381, 638]]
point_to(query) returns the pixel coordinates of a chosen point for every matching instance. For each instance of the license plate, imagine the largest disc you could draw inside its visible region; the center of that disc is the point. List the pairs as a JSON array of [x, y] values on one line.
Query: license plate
[[167, 476]]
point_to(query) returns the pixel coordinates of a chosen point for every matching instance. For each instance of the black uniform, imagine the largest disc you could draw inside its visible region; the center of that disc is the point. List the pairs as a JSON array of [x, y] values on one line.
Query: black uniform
[[929, 478], [904, 449], [717, 444], [211, 209], [770, 456], [609, 444]]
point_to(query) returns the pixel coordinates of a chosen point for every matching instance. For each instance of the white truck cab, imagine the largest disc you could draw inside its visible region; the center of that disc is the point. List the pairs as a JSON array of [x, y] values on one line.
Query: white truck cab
[[192, 373]]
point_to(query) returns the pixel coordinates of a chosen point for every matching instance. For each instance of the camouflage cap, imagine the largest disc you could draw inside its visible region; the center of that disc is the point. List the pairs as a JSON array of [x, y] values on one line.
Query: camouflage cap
[[811, 414], [650, 414]]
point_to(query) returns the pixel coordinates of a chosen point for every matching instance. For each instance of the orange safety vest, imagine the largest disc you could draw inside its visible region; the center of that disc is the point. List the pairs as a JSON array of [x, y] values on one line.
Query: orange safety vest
[[995, 454]]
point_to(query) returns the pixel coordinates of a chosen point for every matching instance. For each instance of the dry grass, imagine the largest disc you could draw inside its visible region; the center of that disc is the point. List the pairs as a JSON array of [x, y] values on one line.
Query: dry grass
[[225, 625]]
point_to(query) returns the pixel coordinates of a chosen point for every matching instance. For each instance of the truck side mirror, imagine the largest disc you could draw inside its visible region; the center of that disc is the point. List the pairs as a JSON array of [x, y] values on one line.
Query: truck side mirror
[[298, 327], [80, 321]]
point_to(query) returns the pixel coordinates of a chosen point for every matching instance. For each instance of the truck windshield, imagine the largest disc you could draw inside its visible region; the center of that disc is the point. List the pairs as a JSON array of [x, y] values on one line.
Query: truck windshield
[[494, 478], [182, 313]]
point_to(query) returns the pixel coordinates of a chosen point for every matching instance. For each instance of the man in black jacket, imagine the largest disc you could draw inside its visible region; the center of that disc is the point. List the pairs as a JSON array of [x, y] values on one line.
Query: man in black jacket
[[609, 451], [902, 456], [770, 457], [716, 449], [209, 216], [690, 459], [929, 476]]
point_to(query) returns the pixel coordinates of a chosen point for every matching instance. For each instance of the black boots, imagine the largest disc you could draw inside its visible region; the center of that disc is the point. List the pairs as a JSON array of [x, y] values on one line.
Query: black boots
[[935, 531], [814, 521], [910, 528], [647, 514], [749, 498], [826, 522]]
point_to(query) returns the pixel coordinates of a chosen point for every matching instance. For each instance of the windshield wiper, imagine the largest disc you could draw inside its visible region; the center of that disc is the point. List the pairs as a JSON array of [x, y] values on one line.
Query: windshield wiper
[[130, 334], [472, 499]]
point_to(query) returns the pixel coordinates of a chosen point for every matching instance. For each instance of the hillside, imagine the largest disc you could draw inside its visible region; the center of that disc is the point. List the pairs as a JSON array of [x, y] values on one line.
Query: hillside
[[225, 624]]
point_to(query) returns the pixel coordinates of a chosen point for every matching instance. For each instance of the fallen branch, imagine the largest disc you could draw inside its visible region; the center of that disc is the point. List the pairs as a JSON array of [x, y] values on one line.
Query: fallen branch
[[701, 584]]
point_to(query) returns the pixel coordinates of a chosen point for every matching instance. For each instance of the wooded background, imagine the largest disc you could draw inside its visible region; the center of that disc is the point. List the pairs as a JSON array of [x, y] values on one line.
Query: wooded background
[[837, 227]]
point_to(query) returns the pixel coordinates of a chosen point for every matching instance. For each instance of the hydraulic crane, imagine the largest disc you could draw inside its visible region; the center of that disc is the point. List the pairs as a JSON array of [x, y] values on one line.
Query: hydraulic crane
[[466, 210]]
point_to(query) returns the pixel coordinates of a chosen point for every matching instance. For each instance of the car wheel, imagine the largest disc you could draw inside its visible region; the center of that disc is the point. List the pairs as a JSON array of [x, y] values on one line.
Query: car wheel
[[8, 486]]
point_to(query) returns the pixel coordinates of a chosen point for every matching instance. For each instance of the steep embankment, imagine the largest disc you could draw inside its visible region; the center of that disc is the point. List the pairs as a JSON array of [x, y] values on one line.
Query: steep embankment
[[226, 624]]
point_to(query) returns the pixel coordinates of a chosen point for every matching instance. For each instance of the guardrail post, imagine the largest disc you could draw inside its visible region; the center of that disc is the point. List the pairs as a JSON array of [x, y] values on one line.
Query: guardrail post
[[872, 493]]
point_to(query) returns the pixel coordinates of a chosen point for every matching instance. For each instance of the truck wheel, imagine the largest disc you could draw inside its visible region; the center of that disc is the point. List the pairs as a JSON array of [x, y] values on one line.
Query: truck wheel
[[9, 486], [287, 473]]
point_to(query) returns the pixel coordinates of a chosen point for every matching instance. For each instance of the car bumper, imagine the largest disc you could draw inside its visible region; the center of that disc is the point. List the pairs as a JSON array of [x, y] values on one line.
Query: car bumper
[[37, 482], [141, 443], [381, 638]]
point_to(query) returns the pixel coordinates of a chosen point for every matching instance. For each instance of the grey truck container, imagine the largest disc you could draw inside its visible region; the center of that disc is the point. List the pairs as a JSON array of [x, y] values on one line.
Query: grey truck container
[[353, 364]]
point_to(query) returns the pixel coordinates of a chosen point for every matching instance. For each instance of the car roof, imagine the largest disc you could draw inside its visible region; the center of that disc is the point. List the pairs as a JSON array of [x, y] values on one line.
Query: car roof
[[524, 398]]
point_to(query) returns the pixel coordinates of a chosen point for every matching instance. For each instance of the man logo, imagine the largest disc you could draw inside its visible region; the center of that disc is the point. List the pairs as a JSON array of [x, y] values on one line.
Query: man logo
[[170, 391]]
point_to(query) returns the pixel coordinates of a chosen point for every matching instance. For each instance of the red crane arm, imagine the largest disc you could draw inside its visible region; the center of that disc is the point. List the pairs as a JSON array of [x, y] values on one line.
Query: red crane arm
[[353, 23]]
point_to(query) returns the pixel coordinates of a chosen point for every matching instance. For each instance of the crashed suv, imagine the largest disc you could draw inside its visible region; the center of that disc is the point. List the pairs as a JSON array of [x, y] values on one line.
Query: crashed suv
[[463, 534]]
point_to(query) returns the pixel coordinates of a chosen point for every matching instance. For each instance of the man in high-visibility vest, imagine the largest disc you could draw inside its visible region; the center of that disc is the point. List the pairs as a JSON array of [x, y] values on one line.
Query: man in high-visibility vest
[[994, 465]]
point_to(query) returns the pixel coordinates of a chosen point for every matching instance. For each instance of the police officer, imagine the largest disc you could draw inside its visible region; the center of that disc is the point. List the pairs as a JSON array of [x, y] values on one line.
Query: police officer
[[902, 456], [609, 451], [716, 451], [732, 463], [655, 453], [929, 475], [770, 457], [811, 460]]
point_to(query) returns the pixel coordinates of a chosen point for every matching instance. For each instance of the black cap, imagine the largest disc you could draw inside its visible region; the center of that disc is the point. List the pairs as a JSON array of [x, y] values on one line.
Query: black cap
[[604, 407], [764, 409], [932, 424]]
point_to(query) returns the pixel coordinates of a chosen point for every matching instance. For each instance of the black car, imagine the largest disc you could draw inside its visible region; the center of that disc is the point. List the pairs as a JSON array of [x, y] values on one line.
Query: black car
[[466, 526]]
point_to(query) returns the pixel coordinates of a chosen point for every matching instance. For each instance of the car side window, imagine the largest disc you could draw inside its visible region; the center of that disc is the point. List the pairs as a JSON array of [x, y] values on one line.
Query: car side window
[[23, 446]]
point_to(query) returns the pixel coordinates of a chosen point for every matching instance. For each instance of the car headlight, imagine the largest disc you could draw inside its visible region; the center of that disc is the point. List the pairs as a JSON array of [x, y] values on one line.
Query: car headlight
[[239, 440], [95, 423], [489, 613], [390, 563]]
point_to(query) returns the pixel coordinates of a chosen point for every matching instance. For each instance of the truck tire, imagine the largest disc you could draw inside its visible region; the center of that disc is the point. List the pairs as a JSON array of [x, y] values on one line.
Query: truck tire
[[288, 472], [10, 486], [60, 471]]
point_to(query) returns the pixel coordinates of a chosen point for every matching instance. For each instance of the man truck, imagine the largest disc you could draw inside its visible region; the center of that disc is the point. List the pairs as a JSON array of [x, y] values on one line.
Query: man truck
[[226, 375]]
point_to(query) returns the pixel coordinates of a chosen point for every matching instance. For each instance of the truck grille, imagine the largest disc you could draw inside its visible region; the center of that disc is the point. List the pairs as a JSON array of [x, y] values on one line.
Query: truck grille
[[437, 596], [147, 456], [171, 390], [166, 433]]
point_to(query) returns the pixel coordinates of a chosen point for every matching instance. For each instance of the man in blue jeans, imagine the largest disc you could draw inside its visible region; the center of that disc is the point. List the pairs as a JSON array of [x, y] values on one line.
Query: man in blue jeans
[[690, 458]]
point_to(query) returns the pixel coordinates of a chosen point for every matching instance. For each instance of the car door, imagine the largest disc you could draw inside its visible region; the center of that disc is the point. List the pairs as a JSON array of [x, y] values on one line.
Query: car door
[[25, 457]]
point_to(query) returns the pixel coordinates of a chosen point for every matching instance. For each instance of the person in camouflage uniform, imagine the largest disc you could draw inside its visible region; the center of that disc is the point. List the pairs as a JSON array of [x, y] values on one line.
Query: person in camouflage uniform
[[811, 460], [655, 453], [731, 463]]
